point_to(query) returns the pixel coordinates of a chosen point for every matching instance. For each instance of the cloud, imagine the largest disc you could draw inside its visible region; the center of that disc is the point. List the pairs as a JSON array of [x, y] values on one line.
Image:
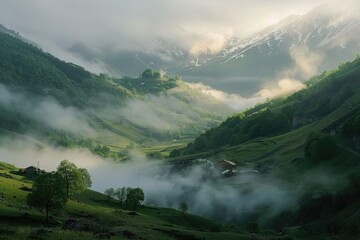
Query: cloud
[[46, 111], [237, 102], [210, 43], [138, 24], [306, 62], [284, 86], [178, 109], [154, 113], [25, 151], [167, 185]]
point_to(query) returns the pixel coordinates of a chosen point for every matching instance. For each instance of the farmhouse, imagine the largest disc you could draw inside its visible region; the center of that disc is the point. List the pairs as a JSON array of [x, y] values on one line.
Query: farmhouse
[[31, 171], [226, 168]]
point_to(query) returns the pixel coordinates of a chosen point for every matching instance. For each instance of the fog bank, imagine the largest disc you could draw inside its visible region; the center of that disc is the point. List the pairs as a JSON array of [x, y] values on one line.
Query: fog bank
[[163, 187]]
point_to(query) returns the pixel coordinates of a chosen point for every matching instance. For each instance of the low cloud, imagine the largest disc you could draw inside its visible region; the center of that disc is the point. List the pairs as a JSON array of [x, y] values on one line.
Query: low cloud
[[162, 186], [237, 102], [45, 111], [177, 109], [306, 63], [160, 113], [168, 186], [283, 87], [210, 43]]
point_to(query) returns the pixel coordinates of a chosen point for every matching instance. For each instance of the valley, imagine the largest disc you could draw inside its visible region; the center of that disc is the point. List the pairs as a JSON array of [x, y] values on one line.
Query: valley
[[253, 138]]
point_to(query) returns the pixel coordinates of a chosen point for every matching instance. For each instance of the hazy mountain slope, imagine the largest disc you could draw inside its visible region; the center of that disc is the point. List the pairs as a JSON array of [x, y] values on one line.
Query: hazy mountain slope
[[321, 39], [322, 97], [28, 69], [61, 101], [297, 47]]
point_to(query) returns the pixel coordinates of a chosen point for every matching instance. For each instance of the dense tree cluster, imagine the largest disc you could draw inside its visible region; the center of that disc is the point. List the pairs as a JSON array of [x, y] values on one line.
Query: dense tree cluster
[[320, 147], [150, 74], [130, 198], [151, 81]]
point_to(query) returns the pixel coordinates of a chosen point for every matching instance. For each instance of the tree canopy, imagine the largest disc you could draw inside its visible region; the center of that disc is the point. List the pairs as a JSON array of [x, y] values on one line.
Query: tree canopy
[[150, 74], [183, 207], [110, 192], [120, 193], [320, 147], [134, 197], [48, 193], [76, 180]]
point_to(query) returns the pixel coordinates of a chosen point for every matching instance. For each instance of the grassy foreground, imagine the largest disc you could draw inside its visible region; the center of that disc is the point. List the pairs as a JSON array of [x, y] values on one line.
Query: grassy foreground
[[93, 217]]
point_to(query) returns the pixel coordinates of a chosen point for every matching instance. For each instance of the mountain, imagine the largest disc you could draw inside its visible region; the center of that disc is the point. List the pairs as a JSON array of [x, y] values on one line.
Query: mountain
[[166, 56], [297, 47], [65, 104], [328, 35]]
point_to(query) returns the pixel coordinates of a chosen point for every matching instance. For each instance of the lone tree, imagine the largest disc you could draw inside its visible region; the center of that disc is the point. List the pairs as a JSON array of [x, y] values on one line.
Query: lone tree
[[48, 193], [86, 178], [120, 193], [183, 207], [135, 197], [76, 180], [110, 192]]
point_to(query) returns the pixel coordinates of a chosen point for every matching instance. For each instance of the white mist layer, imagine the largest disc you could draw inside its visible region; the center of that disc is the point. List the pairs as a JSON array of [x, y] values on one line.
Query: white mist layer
[[46, 111], [237, 102], [162, 186]]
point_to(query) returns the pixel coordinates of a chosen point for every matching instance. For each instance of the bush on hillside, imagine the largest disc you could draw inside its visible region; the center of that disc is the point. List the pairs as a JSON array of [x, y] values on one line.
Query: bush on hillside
[[319, 147]]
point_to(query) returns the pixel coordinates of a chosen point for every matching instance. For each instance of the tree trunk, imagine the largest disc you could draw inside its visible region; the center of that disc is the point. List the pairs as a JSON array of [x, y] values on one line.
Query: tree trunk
[[67, 190], [47, 214]]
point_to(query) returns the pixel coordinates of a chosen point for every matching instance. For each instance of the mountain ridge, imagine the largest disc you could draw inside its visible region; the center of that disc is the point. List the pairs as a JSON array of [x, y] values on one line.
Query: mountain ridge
[[322, 31]]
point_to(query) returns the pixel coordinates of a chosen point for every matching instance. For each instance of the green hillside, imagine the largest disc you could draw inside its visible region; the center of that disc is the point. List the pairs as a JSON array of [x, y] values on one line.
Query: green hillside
[[39, 90], [310, 141], [324, 95]]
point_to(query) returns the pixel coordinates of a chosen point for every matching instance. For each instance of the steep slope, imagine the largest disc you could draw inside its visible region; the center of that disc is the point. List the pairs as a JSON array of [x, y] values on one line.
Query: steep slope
[[65, 104], [307, 142], [324, 97]]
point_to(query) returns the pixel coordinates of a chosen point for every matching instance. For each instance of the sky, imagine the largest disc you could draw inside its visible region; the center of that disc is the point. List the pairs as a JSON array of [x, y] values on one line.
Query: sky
[[129, 24]]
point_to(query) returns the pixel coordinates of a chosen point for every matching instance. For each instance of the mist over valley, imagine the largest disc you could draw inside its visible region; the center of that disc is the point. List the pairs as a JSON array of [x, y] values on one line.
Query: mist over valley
[[175, 121]]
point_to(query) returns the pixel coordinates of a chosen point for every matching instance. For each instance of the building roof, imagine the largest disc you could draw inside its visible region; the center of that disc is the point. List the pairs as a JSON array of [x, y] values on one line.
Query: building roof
[[227, 162], [226, 172], [29, 168]]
